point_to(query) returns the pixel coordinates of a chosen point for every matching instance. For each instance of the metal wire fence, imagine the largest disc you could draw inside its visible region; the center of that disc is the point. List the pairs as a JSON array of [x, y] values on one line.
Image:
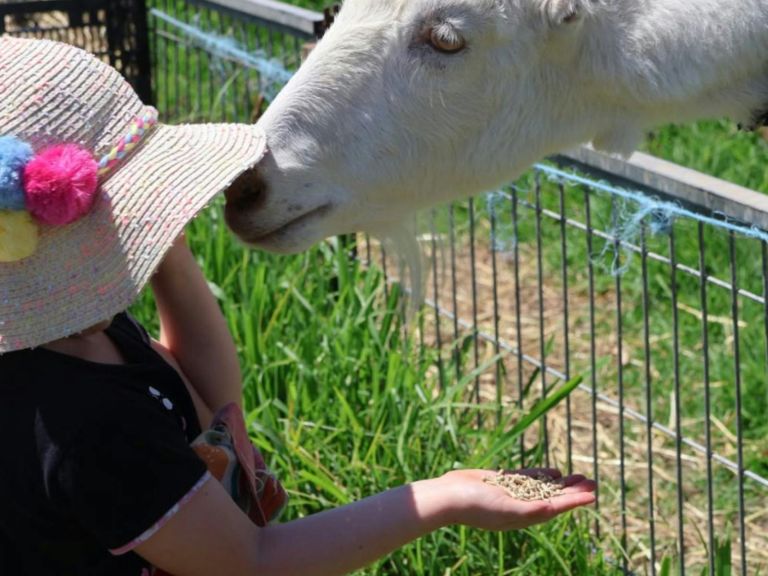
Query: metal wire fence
[[214, 78], [114, 30], [668, 330], [552, 277], [555, 276]]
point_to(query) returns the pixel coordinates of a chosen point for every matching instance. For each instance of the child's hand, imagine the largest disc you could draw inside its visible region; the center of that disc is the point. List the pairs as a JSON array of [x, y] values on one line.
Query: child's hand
[[486, 506]]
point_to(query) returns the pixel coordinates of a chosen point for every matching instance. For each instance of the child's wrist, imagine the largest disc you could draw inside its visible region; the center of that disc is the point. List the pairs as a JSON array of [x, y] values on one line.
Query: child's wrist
[[435, 502]]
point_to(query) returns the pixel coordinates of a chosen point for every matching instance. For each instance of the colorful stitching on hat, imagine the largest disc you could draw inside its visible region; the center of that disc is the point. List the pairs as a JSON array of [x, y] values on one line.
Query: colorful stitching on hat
[[128, 143]]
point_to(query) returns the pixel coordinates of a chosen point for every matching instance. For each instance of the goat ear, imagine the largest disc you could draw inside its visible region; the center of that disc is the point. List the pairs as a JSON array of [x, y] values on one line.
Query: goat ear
[[561, 13]]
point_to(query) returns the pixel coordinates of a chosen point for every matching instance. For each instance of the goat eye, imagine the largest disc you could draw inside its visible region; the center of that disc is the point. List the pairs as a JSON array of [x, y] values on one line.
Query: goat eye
[[446, 39]]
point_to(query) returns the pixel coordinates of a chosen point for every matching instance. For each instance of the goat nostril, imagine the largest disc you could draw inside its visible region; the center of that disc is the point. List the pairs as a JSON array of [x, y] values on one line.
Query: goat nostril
[[248, 191]]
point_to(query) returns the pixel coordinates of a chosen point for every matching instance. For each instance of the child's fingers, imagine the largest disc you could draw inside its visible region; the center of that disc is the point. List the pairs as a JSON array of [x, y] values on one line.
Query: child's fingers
[[545, 510], [553, 473], [571, 500], [574, 479], [579, 485]]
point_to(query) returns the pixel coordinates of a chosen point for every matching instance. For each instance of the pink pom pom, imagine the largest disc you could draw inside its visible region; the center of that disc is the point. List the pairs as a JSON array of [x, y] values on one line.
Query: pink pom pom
[[60, 184]]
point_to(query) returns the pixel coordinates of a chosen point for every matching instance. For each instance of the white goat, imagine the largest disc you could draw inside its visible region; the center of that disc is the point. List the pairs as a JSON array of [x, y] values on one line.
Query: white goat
[[409, 103]]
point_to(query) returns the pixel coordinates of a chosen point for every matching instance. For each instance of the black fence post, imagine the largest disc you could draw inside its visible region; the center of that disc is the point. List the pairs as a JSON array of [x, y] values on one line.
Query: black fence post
[[143, 59], [128, 40], [118, 31]]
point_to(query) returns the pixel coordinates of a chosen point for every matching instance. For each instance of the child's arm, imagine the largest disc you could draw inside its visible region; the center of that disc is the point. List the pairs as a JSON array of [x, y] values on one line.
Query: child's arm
[[193, 329], [210, 535]]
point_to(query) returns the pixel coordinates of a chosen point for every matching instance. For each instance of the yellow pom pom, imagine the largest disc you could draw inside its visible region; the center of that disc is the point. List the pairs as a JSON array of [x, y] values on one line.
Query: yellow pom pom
[[18, 236]]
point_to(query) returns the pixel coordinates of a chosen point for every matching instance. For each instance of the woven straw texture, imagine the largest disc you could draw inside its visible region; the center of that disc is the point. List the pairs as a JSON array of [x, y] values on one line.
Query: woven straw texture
[[88, 271]]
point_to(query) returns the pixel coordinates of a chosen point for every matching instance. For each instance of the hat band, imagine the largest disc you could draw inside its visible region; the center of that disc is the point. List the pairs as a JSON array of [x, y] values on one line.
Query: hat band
[[138, 129]]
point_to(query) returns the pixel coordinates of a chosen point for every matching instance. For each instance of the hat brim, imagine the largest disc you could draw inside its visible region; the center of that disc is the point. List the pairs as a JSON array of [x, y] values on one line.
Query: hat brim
[[88, 271]]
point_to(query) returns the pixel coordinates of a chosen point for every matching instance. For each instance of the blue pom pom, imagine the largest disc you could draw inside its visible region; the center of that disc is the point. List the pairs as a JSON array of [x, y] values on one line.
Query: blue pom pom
[[14, 155]]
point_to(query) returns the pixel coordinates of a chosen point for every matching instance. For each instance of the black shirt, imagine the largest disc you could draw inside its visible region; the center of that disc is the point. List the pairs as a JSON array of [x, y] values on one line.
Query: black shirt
[[93, 456]]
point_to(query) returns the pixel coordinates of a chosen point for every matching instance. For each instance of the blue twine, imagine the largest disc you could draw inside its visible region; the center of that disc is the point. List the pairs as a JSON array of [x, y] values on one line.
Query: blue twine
[[503, 237], [663, 212], [659, 214], [272, 71], [630, 211]]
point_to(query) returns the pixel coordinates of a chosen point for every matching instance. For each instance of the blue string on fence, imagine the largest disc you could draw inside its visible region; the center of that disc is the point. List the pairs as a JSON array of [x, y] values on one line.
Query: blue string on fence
[[659, 214], [628, 216], [503, 238], [273, 74], [662, 211]]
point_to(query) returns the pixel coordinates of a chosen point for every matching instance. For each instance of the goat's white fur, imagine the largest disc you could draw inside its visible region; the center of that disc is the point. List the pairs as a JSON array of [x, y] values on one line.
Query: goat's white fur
[[378, 124]]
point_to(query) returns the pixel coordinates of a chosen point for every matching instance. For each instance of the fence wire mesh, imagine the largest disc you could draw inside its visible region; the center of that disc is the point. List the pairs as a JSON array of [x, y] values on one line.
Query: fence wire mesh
[[211, 75], [114, 30]]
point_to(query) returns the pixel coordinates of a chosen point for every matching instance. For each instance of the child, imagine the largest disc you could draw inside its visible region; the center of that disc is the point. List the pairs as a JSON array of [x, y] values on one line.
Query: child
[[98, 476]]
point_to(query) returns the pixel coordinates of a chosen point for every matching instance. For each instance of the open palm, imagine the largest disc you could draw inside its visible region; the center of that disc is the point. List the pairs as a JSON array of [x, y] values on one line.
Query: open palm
[[482, 505]]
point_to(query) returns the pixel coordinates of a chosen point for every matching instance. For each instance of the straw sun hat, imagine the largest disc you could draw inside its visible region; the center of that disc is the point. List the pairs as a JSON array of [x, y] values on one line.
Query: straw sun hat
[[93, 191]]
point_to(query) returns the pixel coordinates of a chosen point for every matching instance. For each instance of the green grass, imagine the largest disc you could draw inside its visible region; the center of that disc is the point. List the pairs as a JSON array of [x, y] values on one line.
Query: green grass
[[717, 148], [342, 404], [313, 4]]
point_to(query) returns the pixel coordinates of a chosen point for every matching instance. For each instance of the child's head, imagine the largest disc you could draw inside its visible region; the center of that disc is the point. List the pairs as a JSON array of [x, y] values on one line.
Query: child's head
[[93, 191]]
